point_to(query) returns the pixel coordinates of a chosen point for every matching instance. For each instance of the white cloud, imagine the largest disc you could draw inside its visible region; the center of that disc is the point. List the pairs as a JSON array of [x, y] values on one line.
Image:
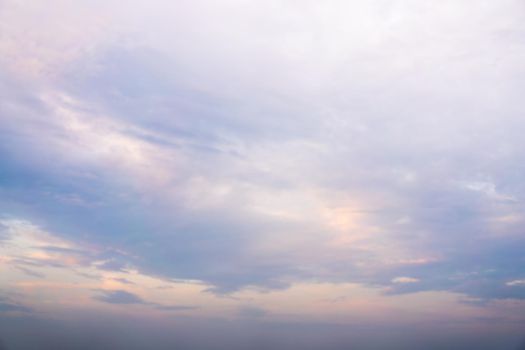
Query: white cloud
[[405, 280], [516, 283]]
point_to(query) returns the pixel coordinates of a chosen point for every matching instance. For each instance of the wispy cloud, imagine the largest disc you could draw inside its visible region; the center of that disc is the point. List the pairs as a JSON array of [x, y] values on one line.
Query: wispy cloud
[[8, 306], [122, 297], [119, 297]]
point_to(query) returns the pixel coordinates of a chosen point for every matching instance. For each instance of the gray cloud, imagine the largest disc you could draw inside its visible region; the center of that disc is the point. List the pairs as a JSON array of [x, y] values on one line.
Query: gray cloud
[[8, 306], [119, 297], [124, 297], [418, 117]]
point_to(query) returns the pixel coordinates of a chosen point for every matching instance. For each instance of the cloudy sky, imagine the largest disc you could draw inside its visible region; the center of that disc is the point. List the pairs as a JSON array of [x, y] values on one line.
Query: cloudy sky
[[275, 174]]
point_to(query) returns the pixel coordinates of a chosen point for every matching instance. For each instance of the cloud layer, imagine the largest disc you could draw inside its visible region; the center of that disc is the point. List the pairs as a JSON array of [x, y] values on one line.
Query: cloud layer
[[260, 146]]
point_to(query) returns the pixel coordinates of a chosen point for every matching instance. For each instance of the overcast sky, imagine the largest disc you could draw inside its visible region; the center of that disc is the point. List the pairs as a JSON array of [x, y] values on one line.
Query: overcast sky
[[272, 174]]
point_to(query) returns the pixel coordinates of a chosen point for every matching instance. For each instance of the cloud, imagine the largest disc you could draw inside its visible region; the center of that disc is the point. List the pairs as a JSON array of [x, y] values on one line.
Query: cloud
[[262, 151], [113, 265], [30, 272], [8, 306], [405, 280], [175, 307], [119, 297], [122, 280], [122, 297], [516, 283]]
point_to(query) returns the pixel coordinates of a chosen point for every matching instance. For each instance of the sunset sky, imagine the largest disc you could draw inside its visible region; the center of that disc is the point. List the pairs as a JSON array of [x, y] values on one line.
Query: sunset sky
[[277, 174]]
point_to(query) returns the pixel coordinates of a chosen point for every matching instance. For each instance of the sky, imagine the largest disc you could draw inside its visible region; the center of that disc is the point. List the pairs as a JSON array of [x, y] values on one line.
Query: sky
[[278, 174]]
